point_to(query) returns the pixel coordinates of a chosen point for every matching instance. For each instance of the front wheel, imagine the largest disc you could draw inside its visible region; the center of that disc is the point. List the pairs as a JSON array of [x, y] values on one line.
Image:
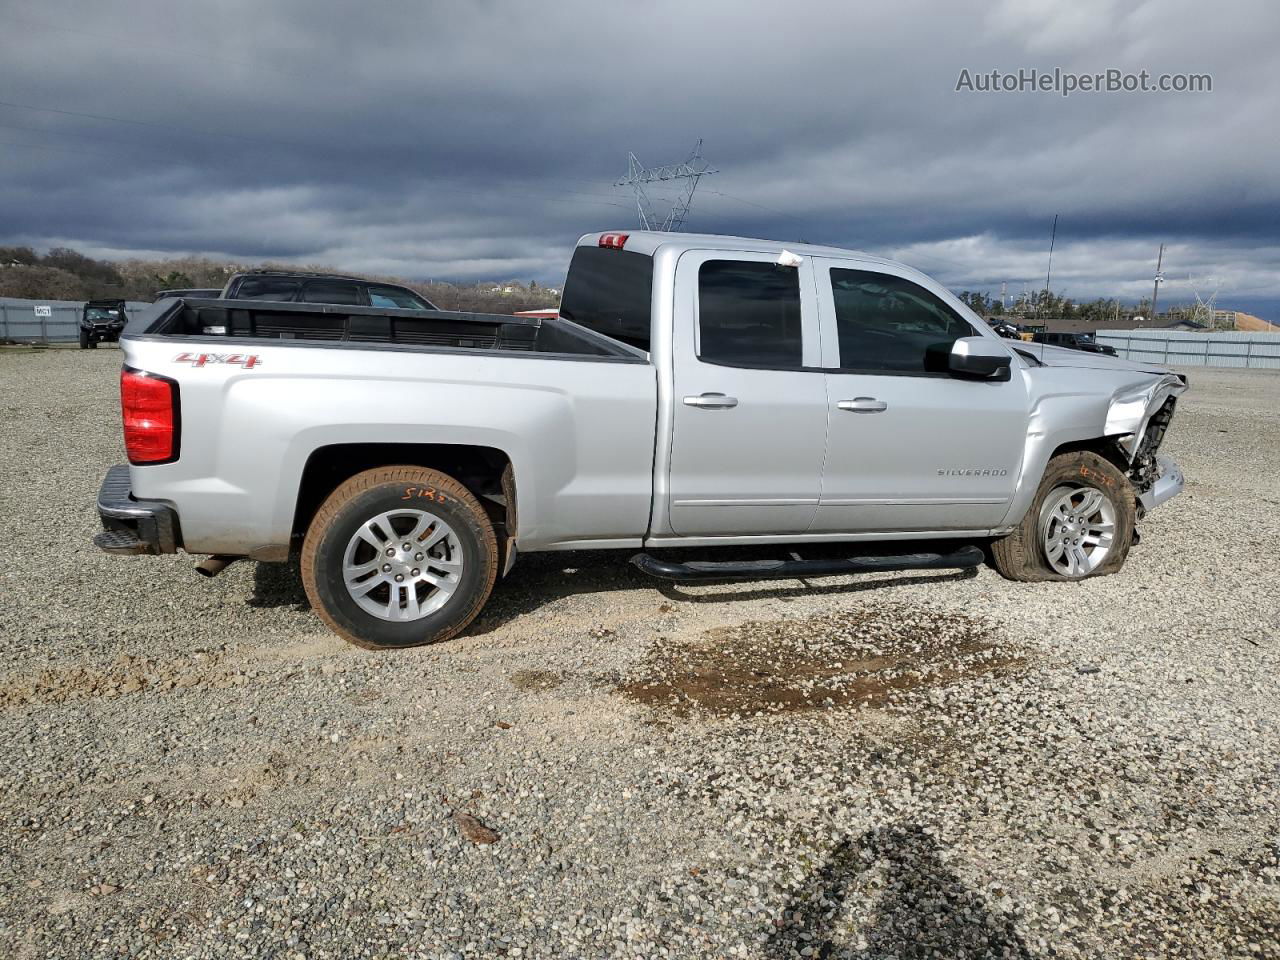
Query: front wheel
[[399, 556], [1079, 525], [84, 340]]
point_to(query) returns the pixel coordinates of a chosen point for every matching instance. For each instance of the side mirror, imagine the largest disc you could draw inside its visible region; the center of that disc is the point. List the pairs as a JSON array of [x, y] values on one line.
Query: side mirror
[[980, 358]]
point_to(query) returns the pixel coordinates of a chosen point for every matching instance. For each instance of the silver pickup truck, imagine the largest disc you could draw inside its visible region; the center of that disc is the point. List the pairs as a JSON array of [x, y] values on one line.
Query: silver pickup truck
[[695, 391]]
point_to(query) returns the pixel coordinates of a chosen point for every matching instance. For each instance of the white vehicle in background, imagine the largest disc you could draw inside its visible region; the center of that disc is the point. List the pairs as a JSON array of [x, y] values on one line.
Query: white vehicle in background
[[694, 392]]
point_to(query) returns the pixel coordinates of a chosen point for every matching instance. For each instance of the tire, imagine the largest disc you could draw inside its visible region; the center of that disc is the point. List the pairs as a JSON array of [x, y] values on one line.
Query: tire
[[456, 552], [93, 344], [84, 340], [1023, 554]]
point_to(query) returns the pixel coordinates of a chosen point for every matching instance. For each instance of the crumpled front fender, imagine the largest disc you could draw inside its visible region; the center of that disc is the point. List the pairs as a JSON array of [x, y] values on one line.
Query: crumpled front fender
[[1131, 410]]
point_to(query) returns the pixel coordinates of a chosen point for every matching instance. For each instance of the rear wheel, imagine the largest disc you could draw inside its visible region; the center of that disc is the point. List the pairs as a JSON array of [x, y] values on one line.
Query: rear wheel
[[1079, 525], [399, 556]]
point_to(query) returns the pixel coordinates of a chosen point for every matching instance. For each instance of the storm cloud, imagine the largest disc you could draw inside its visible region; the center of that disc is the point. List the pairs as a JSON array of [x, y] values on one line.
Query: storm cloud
[[479, 140]]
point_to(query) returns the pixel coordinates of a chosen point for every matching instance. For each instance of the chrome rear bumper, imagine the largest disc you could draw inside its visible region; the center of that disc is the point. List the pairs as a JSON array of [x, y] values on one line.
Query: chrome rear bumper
[[133, 526]]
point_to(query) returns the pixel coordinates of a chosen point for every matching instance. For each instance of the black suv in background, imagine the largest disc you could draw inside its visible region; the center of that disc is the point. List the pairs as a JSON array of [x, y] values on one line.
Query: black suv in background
[[101, 320], [1075, 341], [321, 288]]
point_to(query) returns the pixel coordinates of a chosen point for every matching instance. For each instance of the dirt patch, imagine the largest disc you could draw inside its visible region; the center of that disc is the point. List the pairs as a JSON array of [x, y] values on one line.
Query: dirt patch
[[781, 666], [535, 680]]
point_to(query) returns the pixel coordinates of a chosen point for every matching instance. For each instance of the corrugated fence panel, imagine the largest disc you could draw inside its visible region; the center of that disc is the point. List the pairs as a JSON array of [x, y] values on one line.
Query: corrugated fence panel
[[1253, 351], [19, 320]]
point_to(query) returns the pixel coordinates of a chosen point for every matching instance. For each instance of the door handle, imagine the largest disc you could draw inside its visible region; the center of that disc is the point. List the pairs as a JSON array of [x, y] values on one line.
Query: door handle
[[711, 401], [863, 405]]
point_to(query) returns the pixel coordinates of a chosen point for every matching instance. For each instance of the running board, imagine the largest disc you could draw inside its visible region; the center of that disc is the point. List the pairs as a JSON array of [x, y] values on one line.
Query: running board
[[964, 558]]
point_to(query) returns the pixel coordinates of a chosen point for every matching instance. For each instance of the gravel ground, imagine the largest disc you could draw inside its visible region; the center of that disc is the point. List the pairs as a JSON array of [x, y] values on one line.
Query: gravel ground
[[925, 765]]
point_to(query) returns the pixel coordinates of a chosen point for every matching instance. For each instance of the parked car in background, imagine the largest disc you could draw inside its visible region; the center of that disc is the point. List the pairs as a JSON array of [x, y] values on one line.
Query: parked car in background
[[101, 322], [296, 287], [692, 392], [1074, 341], [1004, 328], [199, 293]]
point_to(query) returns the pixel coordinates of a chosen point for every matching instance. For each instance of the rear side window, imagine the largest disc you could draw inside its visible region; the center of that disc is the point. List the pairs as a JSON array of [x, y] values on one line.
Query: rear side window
[[267, 288], [331, 291], [886, 324], [395, 297], [609, 291], [749, 314]]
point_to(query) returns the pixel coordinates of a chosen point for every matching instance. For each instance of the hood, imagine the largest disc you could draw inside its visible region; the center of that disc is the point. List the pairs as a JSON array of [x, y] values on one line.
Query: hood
[[1085, 360]]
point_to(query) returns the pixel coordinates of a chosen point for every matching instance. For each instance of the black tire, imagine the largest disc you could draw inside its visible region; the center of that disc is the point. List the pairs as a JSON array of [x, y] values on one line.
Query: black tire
[[365, 497], [1021, 555], [84, 340], [93, 344]]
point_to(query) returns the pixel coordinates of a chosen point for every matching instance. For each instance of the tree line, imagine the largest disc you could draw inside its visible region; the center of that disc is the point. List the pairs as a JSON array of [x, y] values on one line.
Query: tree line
[[1030, 305], [67, 274]]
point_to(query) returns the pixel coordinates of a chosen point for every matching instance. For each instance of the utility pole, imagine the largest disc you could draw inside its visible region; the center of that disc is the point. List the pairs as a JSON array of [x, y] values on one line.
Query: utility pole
[[691, 170], [1053, 235], [1155, 290]]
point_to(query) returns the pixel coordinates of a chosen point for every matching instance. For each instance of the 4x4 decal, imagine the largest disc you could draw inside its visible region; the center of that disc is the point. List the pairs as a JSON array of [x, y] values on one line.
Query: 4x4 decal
[[246, 360]]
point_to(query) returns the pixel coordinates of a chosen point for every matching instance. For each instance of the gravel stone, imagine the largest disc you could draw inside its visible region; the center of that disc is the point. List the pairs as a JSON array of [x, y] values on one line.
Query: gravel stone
[[898, 765]]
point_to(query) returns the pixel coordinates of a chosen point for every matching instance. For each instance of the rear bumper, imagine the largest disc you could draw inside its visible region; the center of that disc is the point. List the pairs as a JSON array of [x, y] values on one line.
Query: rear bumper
[[1167, 487], [132, 526]]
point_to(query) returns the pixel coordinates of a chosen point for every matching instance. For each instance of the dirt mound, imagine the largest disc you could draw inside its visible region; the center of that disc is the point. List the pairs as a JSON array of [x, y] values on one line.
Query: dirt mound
[[779, 666]]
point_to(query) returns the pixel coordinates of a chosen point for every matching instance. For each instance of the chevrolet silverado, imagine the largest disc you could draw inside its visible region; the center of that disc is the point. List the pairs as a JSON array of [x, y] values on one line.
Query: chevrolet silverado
[[694, 392]]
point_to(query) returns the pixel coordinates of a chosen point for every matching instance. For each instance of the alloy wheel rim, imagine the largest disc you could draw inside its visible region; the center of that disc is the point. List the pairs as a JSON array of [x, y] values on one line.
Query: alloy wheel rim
[[1077, 529], [402, 565]]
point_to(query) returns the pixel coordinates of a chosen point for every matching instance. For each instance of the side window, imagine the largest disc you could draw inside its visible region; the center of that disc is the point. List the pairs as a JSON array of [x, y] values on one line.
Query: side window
[[331, 291], [749, 314], [267, 288], [886, 324], [395, 297]]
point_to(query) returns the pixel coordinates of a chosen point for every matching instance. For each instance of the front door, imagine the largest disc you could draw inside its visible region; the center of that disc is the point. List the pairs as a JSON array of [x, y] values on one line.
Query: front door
[[911, 448], [750, 420]]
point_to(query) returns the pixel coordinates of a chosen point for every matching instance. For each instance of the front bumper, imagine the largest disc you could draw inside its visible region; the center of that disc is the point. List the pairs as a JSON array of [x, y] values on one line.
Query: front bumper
[[1168, 486], [132, 526], [102, 332]]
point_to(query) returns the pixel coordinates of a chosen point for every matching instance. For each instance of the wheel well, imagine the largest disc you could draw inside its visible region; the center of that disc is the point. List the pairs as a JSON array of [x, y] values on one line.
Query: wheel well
[[1106, 447], [485, 471]]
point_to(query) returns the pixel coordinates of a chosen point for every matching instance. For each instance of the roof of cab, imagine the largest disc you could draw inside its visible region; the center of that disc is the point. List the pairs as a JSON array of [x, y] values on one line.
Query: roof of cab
[[649, 241]]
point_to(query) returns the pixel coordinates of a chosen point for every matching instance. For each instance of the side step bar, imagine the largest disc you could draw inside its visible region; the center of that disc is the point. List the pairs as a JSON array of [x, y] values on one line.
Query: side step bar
[[964, 558]]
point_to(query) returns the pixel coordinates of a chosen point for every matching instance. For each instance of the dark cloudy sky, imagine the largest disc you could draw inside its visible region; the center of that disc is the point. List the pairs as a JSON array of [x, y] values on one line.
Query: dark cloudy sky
[[471, 140]]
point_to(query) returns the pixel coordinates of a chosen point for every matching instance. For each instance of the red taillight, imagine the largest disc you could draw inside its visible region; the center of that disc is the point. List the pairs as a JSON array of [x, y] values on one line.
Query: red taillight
[[149, 405], [614, 241]]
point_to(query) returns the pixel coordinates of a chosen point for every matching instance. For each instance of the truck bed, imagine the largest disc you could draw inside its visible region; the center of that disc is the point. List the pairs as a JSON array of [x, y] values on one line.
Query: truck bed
[[238, 321]]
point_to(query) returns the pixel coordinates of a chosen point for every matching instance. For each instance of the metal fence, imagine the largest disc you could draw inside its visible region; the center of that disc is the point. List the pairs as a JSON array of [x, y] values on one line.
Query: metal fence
[[1246, 351], [47, 321]]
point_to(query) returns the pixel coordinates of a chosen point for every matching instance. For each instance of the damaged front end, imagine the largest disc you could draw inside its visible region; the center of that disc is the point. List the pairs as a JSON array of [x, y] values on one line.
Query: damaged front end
[[1139, 421]]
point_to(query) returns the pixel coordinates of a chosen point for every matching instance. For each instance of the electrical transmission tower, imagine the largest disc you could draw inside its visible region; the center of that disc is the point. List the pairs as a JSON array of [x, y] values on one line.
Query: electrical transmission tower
[[690, 171]]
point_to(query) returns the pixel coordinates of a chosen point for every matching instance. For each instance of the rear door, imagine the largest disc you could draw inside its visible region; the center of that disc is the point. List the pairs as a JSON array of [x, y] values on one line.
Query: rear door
[[750, 420], [910, 447]]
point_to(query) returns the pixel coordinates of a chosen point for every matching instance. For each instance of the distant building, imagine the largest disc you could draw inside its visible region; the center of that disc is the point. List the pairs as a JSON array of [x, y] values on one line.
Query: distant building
[[1185, 323]]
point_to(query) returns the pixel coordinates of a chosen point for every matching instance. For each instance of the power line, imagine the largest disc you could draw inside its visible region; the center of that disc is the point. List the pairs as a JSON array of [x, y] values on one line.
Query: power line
[[690, 171], [149, 123]]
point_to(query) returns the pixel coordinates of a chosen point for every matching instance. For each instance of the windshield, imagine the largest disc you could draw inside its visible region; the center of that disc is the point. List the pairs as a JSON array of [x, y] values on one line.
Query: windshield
[[101, 313]]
